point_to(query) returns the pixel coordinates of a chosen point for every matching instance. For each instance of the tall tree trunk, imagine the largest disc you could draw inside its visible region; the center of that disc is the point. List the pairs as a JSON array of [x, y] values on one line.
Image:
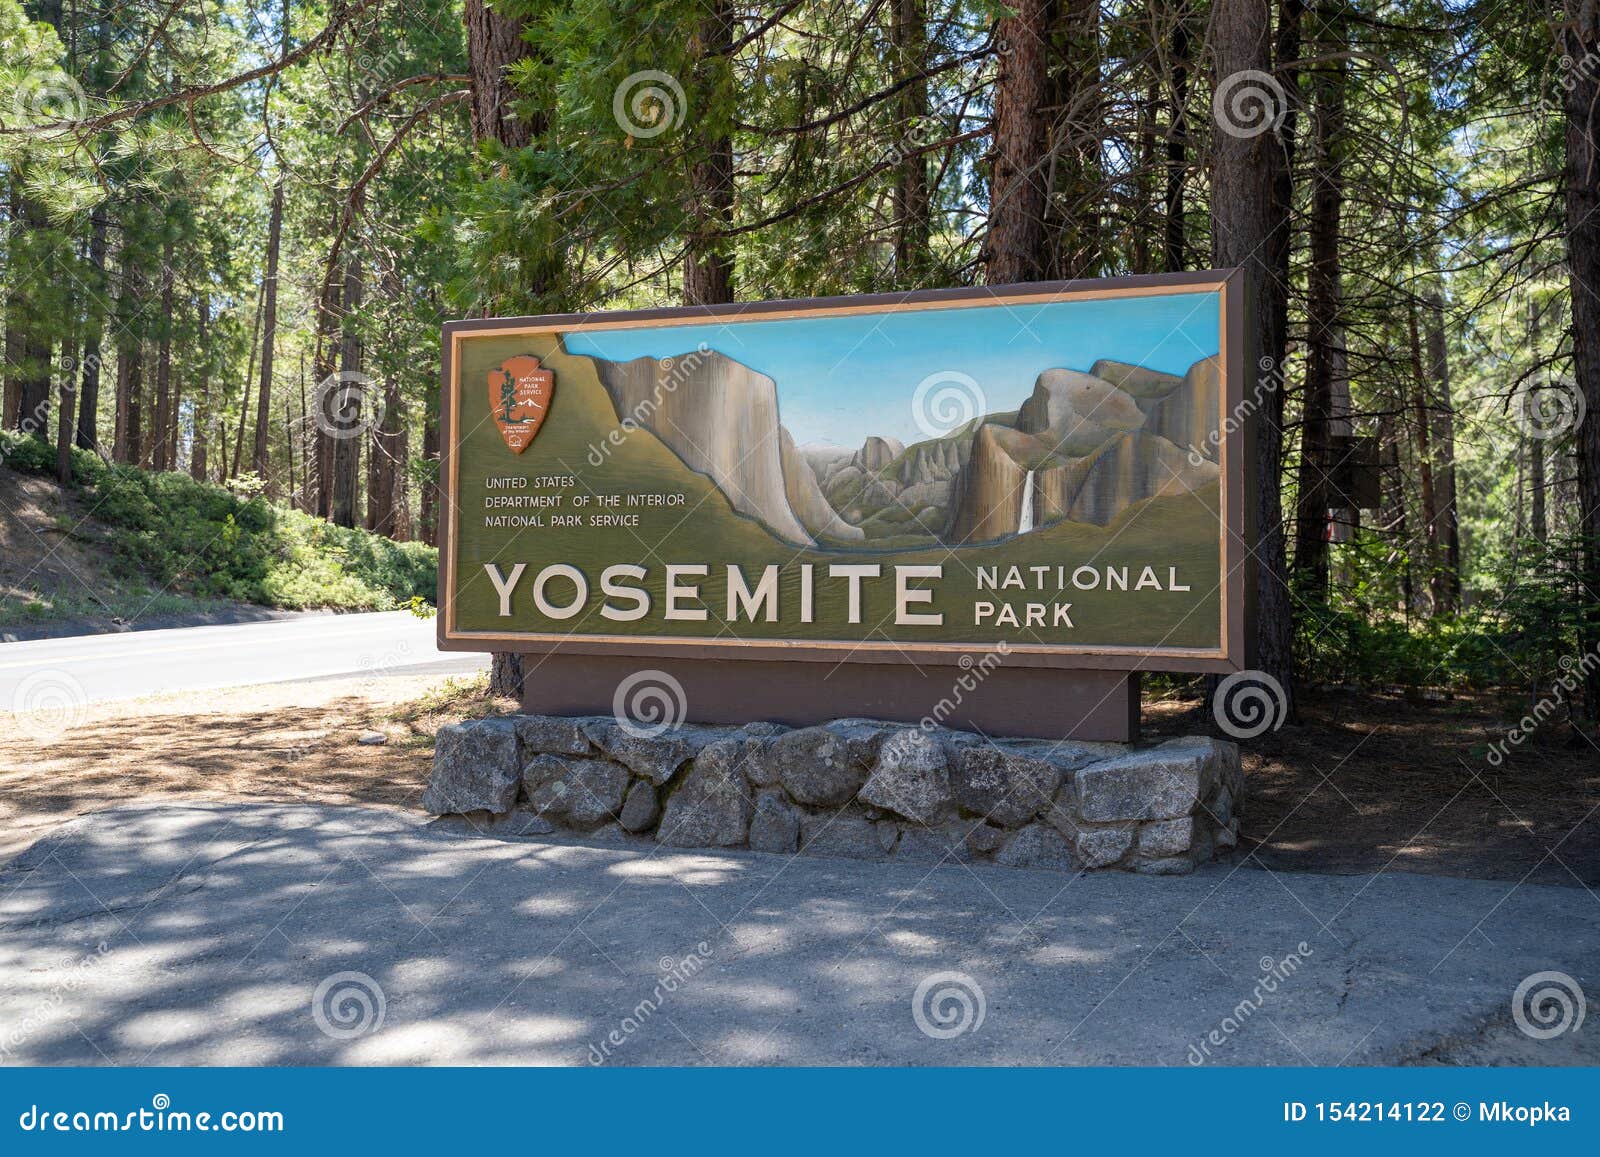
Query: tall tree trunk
[[269, 329], [130, 289], [27, 403], [199, 454], [1581, 43], [324, 366], [88, 437], [33, 416], [1248, 224], [1447, 587], [428, 514], [1422, 429], [269, 316], [385, 460], [1286, 68], [135, 399], [65, 415], [1075, 176], [1324, 317], [119, 402], [164, 408], [494, 43], [1140, 218], [1175, 255], [1534, 447], [32, 347], [708, 262], [304, 500], [1393, 514], [347, 444], [372, 507], [244, 394], [908, 28], [11, 391], [1014, 249], [388, 449]]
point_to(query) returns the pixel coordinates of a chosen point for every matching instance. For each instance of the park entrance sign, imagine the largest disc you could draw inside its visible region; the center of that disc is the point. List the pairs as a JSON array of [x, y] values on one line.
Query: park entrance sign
[[989, 507]]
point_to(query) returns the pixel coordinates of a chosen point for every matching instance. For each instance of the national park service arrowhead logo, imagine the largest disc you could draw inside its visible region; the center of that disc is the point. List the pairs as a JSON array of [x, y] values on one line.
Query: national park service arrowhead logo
[[520, 391]]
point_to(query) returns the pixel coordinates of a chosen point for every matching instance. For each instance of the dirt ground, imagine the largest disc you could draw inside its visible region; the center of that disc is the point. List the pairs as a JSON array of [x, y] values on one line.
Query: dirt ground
[[282, 741], [1374, 782], [1366, 782]]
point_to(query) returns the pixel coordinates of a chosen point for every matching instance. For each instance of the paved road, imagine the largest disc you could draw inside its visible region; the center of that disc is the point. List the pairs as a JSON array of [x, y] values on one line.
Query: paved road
[[42, 674], [164, 933]]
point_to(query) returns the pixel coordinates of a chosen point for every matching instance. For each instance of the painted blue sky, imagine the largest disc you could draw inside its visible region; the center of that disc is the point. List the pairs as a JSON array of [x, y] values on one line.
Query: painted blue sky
[[843, 378]]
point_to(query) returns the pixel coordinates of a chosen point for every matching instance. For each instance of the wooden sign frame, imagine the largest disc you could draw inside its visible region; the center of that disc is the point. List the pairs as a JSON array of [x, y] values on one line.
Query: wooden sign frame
[[574, 669]]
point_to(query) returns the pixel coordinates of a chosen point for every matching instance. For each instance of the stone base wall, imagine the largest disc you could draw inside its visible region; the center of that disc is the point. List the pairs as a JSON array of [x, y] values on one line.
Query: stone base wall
[[859, 788]]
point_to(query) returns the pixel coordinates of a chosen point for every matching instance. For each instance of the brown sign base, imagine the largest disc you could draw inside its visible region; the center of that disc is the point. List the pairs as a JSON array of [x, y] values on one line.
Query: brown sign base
[[1038, 703]]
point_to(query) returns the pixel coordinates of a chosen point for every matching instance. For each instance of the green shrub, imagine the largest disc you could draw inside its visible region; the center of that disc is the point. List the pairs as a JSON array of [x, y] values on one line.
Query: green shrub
[[167, 529]]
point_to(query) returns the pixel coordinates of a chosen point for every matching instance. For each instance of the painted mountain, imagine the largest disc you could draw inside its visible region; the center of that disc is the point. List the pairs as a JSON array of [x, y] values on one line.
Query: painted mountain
[[721, 418], [1082, 447]]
